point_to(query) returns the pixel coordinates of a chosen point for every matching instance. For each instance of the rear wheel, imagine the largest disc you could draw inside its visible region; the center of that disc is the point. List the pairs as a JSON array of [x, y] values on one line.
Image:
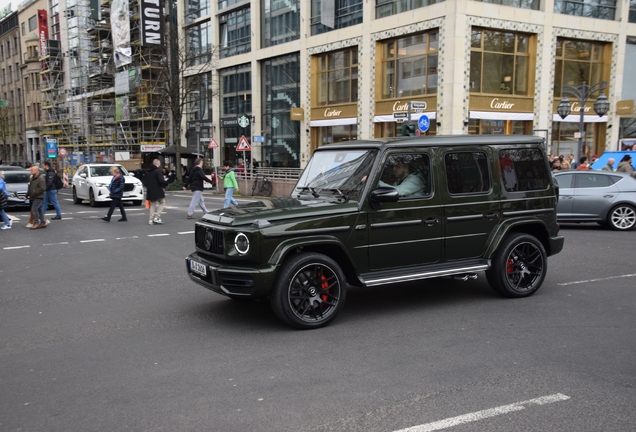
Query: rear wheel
[[266, 189], [309, 291], [518, 267], [76, 200], [622, 217]]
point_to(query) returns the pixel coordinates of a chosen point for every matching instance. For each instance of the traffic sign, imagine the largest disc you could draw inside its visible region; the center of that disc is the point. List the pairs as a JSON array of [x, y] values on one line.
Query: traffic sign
[[213, 144], [400, 115], [243, 145], [63, 152], [423, 123], [51, 148], [400, 120], [259, 138], [418, 105]]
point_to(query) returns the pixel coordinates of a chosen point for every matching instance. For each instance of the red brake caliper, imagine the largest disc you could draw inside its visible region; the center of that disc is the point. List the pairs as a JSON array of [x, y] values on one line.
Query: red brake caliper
[[509, 265], [324, 285]]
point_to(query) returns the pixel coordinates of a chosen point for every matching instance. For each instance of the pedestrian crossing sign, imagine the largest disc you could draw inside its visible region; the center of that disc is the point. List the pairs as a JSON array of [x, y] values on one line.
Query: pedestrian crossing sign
[[243, 145], [213, 144]]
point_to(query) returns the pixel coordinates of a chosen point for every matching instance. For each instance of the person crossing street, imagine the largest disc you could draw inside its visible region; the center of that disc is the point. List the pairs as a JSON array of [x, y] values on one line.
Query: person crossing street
[[51, 191], [195, 181], [155, 182]]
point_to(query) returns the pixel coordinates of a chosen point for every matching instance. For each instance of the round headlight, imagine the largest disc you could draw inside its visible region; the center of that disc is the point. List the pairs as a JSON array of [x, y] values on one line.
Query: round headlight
[[241, 243]]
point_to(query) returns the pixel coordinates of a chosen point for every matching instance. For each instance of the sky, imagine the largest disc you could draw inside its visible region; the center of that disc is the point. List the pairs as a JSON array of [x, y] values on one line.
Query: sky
[[14, 4]]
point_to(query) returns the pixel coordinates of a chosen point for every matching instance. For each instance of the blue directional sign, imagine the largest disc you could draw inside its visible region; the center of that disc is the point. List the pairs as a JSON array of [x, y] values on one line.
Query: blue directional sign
[[423, 123], [51, 148]]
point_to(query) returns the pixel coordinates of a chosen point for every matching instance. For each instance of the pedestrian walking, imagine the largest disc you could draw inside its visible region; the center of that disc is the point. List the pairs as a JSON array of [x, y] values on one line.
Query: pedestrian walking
[[4, 203], [195, 181], [229, 183], [625, 165], [52, 183], [609, 166], [155, 182], [116, 189], [35, 193]]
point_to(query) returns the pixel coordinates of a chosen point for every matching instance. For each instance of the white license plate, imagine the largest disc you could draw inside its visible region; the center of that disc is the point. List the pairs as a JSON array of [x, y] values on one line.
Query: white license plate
[[126, 194], [198, 268]]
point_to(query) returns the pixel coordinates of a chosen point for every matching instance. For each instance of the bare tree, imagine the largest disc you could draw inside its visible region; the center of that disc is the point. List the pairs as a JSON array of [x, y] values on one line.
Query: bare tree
[[185, 75]]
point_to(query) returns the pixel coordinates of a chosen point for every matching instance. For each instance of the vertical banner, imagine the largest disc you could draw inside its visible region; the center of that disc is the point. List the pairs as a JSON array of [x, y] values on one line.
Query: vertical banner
[[121, 32], [43, 31], [151, 33]]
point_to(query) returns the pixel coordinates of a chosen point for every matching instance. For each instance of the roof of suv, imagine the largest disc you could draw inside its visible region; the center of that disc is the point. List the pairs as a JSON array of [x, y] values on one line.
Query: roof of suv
[[438, 141]]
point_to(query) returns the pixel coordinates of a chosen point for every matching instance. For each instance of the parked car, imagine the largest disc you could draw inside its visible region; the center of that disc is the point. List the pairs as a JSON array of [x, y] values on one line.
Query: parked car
[[11, 168], [91, 182], [605, 197], [17, 183], [381, 212]]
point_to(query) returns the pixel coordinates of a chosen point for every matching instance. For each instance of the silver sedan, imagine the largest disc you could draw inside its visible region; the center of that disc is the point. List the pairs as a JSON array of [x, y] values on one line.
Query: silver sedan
[[605, 197]]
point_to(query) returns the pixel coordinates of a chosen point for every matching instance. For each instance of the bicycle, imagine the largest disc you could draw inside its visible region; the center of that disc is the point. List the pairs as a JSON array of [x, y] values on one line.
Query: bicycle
[[265, 188]]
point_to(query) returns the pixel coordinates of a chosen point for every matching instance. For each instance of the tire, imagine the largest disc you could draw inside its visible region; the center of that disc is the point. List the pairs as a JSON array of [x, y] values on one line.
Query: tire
[[137, 202], [91, 198], [622, 217], [76, 200], [266, 189], [518, 267], [309, 291]]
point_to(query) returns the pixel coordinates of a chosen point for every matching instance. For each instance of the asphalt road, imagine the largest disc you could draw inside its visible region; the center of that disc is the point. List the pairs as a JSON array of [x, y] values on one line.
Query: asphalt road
[[101, 330]]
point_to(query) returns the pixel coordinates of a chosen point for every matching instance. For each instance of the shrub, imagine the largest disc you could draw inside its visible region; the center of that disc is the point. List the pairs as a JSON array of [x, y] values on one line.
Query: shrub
[[175, 185]]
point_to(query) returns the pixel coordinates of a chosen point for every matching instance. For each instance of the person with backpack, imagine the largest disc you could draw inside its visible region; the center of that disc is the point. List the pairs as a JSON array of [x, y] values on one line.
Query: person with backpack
[[53, 183]]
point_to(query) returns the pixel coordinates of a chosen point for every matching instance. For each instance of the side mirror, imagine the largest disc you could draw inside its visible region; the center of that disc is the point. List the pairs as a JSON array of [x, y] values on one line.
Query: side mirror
[[383, 194], [83, 175]]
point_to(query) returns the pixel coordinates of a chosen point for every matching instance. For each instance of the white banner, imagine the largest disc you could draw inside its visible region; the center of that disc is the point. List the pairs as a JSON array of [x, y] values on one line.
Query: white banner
[[121, 32]]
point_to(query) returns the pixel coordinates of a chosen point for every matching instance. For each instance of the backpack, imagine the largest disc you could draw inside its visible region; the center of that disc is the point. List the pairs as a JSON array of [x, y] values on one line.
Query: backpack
[[57, 182]]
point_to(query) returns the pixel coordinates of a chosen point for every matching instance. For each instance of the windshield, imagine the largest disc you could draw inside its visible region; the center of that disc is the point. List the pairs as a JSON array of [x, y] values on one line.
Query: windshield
[[14, 177], [99, 171], [336, 171]]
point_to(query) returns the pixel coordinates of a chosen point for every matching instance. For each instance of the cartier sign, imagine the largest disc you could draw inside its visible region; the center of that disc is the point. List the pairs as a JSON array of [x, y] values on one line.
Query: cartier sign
[[496, 103], [335, 112], [390, 106], [501, 103], [625, 107]]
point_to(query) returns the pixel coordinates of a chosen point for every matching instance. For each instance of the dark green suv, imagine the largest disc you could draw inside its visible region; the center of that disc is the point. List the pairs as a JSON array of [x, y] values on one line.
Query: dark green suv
[[373, 213]]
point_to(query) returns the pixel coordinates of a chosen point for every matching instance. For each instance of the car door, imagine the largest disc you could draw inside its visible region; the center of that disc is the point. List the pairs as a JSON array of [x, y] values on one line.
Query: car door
[[566, 195], [407, 232], [593, 194], [82, 182], [471, 202]]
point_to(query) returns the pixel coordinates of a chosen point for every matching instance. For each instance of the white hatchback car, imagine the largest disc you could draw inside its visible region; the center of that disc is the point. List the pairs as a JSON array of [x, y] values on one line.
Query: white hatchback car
[[91, 182]]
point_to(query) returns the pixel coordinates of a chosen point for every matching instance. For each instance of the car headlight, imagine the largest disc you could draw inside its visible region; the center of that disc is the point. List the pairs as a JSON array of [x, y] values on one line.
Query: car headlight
[[13, 194], [99, 184], [241, 243]]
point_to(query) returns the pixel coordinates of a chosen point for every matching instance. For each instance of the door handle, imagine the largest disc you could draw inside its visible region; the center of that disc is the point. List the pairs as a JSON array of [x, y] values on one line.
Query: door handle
[[490, 215], [608, 196], [431, 221]]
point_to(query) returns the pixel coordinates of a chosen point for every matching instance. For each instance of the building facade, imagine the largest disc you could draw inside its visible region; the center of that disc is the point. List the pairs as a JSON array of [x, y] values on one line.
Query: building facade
[[12, 148], [473, 67]]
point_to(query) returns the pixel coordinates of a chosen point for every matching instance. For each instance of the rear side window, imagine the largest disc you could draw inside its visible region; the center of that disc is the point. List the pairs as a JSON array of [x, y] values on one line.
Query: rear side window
[[524, 170], [590, 180], [467, 172]]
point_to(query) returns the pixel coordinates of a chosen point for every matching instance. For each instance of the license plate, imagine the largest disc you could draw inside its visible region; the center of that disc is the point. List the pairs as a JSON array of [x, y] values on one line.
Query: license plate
[[126, 194], [198, 268]]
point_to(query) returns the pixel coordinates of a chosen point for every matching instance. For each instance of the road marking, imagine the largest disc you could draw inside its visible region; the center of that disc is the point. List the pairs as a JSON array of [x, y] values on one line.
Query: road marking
[[13, 218], [87, 211], [124, 238], [68, 199], [480, 415], [598, 279], [157, 235], [182, 196], [16, 247], [55, 244], [94, 240], [186, 232]]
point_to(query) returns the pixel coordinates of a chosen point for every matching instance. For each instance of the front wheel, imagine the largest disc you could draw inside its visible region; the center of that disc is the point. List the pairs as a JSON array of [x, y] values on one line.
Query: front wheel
[[518, 267], [76, 200], [309, 291], [622, 217], [266, 189], [91, 198]]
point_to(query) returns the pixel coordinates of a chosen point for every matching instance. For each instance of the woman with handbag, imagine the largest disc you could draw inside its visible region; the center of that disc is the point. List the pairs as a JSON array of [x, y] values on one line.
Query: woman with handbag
[[116, 189], [4, 202]]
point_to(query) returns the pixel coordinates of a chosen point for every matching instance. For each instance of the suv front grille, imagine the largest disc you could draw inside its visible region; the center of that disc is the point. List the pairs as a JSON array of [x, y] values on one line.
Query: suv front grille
[[209, 239], [237, 284], [128, 187]]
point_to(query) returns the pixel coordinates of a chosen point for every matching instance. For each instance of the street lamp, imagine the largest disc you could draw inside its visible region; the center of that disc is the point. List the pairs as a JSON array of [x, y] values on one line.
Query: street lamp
[[582, 93]]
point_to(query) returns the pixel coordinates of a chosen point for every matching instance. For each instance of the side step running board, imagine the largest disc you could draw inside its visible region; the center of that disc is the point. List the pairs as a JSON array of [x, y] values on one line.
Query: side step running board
[[373, 280]]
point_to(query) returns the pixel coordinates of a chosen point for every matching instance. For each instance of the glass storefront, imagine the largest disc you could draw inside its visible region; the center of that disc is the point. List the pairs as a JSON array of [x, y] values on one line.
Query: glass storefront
[[336, 75], [236, 100], [499, 127]]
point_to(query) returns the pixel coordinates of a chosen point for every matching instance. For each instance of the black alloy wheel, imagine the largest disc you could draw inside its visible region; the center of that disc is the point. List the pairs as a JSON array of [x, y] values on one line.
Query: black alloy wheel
[[518, 267], [309, 291]]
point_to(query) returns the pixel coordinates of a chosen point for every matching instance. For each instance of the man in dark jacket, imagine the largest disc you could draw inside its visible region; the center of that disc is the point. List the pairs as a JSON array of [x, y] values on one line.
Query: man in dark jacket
[[195, 181], [51, 192], [155, 183], [37, 188]]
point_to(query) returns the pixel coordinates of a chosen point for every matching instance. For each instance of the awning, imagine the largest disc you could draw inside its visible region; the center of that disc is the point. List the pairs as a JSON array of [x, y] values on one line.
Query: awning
[[574, 118], [414, 117], [183, 152], [334, 122], [489, 115]]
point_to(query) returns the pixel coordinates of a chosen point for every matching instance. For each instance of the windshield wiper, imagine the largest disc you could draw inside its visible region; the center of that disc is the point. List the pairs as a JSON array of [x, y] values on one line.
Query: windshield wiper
[[310, 189], [344, 196]]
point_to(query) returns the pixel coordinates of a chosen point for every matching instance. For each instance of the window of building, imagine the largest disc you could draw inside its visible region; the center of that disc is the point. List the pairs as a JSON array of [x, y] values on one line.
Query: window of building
[[602, 9], [198, 44], [523, 170], [632, 11], [33, 23], [222, 4], [23, 27], [235, 33], [10, 74], [337, 77], [15, 46], [384, 8], [523, 4], [4, 77], [8, 49], [198, 90], [236, 90], [499, 127], [467, 172], [334, 14], [280, 21], [409, 65], [196, 9], [280, 92], [577, 61], [500, 62]]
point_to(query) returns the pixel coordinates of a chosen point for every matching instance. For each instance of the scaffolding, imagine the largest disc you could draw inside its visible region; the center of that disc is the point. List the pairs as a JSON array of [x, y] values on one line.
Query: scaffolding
[[55, 121]]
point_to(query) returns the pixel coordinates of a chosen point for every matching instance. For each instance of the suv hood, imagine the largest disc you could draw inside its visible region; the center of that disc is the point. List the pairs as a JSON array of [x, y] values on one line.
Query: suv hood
[[279, 209]]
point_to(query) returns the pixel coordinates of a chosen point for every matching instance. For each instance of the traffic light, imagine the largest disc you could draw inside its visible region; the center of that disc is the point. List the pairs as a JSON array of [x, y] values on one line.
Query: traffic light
[[407, 130]]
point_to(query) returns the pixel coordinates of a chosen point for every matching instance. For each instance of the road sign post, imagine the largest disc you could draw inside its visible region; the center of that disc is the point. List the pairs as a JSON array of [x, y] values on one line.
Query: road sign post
[[244, 146]]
